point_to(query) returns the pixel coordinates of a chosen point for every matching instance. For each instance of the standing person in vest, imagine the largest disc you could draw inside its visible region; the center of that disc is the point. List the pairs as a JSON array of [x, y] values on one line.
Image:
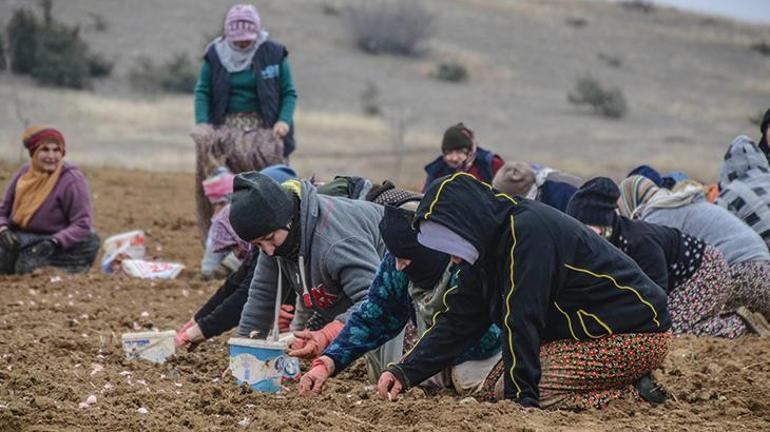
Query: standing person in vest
[[45, 216], [582, 324], [461, 153], [244, 102]]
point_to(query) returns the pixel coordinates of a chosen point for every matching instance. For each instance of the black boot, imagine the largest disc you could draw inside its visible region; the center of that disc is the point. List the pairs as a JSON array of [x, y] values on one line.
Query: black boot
[[650, 391]]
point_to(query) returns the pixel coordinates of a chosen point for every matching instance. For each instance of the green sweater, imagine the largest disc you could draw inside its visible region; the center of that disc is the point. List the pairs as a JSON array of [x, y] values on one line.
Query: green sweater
[[243, 93]]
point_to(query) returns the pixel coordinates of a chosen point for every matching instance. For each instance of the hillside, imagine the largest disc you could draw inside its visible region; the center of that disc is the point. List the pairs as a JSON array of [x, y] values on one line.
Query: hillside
[[691, 83]]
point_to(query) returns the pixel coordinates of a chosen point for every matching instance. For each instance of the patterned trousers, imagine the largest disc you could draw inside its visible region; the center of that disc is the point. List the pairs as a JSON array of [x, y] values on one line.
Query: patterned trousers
[[76, 259]]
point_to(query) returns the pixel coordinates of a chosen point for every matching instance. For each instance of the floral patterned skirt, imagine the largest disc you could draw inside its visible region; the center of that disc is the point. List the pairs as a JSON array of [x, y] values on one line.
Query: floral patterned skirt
[[752, 286], [698, 305], [580, 375]]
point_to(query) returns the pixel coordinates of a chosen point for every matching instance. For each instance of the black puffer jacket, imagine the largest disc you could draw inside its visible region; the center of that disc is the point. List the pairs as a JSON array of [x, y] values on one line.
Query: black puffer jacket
[[541, 276]]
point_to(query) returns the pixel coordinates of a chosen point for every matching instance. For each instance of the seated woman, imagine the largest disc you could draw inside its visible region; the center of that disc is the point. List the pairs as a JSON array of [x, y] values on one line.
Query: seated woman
[[744, 183], [461, 153], [45, 216], [546, 185], [688, 211], [411, 281], [582, 324], [693, 273]]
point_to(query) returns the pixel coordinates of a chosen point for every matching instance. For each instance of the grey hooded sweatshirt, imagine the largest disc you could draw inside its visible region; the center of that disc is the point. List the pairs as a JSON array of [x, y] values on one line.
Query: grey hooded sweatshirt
[[340, 252], [744, 180]]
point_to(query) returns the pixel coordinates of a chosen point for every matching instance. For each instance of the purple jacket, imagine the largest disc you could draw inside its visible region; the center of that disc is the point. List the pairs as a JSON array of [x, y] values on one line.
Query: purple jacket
[[66, 213]]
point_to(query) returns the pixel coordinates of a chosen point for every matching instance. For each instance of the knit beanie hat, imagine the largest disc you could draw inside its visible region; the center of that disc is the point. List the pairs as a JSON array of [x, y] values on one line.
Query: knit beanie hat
[[242, 23], [457, 137], [765, 122], [259, 205], [37, 135], [514, 178], [595, 202], [649, 172], [279, 173]]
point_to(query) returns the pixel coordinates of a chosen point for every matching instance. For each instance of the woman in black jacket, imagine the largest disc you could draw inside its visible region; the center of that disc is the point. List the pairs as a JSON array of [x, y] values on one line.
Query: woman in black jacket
[[581, 322], [695, 275]]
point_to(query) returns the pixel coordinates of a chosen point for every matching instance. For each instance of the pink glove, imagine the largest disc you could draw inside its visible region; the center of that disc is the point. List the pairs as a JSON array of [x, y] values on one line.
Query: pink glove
[[309, 344], [190, 338], [285, 316], [312, 382]]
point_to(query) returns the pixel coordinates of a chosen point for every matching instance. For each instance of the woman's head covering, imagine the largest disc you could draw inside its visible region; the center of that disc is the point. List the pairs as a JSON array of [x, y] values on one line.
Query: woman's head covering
[[649, 172], [242, 23], [279, 173], [595, 202], [219, 185], [459, 137], [635, 192], [427, 265], [467, 207], [37, 135], [515, 178], [741, 157], [259, 205], [222, 234]]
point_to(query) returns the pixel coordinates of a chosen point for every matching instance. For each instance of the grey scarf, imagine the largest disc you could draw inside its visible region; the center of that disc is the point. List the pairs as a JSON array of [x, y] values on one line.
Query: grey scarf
[[233, 58]]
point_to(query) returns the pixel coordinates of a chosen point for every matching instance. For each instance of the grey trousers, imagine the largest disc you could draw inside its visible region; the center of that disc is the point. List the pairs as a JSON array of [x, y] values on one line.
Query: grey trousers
[[76, 259]]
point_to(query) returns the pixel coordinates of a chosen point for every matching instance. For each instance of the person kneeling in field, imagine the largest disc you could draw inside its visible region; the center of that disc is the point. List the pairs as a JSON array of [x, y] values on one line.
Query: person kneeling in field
[[411, 281], [326, 249], [695, 274], [45, 217], [582, 324]]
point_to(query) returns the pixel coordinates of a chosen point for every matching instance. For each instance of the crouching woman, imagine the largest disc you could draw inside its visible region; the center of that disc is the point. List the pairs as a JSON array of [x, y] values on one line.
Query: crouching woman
[[582, 324], [45, 216]]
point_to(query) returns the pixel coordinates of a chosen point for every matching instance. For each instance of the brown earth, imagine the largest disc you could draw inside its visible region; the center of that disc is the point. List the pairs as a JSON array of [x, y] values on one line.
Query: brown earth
[[55, 329]]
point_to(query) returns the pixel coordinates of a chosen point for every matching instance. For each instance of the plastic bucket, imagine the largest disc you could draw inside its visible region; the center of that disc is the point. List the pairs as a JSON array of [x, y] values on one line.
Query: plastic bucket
[[262, 364], [151, 346]]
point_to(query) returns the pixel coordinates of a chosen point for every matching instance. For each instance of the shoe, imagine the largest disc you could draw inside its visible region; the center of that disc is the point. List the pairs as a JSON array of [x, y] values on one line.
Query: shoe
[[650, 391], [755, 321]]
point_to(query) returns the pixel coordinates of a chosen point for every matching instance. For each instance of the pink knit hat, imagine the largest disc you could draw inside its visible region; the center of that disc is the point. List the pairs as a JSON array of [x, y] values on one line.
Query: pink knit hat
[[242, 23]]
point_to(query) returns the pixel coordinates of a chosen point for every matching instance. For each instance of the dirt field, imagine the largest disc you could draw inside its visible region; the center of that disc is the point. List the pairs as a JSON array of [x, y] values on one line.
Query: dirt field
[[60, 343]]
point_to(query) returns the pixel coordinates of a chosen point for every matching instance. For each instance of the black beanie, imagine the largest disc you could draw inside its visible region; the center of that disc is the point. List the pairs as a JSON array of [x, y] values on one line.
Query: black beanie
[[595, 202], [457, 137], [259, 205]]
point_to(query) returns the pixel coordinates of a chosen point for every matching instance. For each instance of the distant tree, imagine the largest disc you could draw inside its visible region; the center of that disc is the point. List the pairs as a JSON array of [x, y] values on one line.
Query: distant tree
[[609, 103], [3, 61], [390, 26], [23, 41]]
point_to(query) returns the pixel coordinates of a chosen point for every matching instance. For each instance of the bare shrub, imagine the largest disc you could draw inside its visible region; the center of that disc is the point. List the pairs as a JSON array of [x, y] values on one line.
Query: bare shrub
[[645, 6], [610, 103], [51, 52], [390, 26], [577, 22], [762, 48], [370, 100], [451, 71], [3, 62], [177, 75], [610, 60], [98, 22]]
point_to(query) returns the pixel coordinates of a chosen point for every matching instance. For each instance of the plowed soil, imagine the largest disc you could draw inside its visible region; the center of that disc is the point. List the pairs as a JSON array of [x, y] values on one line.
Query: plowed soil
[[60, 343]]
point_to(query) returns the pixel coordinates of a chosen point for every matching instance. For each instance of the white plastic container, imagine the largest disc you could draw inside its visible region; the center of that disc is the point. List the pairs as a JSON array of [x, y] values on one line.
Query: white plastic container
[[151, 346], [127, 245], [151, 269], [262, 364]]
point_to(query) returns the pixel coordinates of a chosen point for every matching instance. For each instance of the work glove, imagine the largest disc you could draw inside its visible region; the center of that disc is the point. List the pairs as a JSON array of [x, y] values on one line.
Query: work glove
[[313, 381], [8, 239], [310, 344], [42, 249], [189, 338], [285, 316]]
